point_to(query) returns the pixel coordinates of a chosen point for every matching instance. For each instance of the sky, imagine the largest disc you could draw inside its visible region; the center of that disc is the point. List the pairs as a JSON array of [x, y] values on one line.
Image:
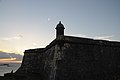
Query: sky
[[27, 24]]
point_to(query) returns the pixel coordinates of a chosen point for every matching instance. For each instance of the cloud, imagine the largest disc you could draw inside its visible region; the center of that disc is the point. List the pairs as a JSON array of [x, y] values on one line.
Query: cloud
[[80, 35], [5, 56], [13, 38], [110, 38], [8, 59], [104, 37]]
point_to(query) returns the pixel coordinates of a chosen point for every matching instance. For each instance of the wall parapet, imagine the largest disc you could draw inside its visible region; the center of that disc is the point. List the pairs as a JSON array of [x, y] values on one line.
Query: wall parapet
[[75, 40]]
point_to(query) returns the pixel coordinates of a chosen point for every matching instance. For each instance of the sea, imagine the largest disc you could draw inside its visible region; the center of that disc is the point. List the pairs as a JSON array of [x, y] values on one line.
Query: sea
[[8, 68]]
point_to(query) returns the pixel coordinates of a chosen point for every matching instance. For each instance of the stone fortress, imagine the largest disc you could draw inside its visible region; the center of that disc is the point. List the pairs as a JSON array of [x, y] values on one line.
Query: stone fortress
[[71, 58]]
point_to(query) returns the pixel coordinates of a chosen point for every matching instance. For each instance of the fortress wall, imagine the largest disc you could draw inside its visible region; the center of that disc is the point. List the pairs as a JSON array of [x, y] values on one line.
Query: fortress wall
[[28, 62], [38, 62], [89, 62], [71, 58]]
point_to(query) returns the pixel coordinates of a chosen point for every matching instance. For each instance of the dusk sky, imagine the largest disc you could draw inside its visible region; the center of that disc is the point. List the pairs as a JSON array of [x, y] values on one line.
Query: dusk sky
[[26, 24]]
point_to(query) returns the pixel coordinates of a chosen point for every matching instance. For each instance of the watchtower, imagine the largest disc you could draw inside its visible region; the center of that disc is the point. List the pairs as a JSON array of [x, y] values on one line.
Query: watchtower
[[59, 29]]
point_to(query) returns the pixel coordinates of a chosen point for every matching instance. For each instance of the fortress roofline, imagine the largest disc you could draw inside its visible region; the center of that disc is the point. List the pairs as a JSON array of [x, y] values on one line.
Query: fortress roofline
[[76, 40]]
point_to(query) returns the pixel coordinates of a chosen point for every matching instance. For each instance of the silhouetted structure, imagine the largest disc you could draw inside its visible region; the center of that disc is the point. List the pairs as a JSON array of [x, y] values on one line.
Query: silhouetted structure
[[72, 58], [60, 29]]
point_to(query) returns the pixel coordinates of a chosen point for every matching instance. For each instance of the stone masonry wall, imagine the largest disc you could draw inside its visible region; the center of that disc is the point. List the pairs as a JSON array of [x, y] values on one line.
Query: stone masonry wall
[[70, 58], [88, 62], [41, 63]]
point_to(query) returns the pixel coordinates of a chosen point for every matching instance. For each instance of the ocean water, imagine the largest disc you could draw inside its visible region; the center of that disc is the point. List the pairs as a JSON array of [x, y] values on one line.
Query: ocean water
[[7, 69]]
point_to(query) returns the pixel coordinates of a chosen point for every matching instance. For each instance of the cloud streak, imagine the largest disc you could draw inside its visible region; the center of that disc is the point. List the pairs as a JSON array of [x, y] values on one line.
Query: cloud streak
[[10, 57], [104, 37], [13, 38], [79, 35], [108, 37]]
